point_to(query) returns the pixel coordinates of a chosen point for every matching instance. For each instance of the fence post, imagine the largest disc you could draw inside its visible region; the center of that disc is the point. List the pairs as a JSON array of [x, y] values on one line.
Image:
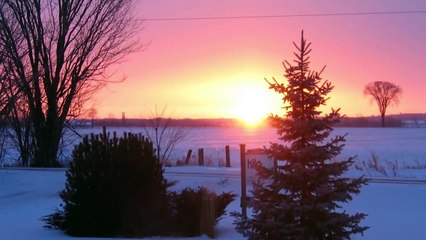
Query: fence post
[[201, 157], [188, 156], [228, 156], [104, 134], [243, 180]]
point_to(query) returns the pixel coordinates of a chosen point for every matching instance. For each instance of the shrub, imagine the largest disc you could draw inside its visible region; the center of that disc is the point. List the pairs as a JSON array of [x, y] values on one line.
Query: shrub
[[114, 187], [197, 211]]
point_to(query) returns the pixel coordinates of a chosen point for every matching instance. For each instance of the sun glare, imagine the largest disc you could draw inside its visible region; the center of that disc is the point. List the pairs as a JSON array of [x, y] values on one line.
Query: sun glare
[[251, 106], [250, 118]]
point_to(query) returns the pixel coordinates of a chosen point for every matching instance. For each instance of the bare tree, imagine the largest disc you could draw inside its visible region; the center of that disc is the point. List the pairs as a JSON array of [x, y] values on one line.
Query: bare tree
[[6, 99], [91, 113], [164, 136], [57, 53], [20, 132], [383, 93]]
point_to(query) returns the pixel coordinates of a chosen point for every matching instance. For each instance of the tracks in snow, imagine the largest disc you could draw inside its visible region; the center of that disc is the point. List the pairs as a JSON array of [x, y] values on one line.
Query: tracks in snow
[[397, 181], [237, 176]]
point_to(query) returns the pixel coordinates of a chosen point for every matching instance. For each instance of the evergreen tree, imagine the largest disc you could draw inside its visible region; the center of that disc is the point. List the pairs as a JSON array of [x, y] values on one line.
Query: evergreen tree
[[302, 197]]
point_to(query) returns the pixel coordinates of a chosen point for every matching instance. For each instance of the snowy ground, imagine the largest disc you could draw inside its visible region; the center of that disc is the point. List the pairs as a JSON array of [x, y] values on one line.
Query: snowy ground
[[400, 151], [395, 211]]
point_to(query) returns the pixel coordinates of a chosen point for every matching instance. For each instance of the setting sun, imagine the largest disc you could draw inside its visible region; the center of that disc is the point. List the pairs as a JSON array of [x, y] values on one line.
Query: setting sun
[[251, 118], [252, 104]]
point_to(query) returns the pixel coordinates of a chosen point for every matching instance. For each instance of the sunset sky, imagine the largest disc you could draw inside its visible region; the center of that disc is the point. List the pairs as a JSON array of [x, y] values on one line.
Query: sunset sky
[[216, 68]]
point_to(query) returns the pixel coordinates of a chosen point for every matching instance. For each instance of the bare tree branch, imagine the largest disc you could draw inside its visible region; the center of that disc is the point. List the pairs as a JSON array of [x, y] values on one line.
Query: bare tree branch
[[163, 135], [57, 53]]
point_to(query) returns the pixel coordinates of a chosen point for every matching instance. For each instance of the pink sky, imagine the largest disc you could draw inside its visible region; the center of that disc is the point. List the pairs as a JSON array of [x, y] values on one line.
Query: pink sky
[[215, 68]]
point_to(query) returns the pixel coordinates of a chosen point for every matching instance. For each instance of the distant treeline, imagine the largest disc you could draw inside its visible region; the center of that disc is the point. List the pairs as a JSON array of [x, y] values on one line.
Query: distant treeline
[[187, 122], [369, 122], [400, 120], [396, 120]]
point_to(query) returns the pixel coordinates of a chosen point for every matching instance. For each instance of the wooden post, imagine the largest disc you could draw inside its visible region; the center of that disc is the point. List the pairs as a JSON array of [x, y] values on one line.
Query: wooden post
[[201, 157], [104, 134], [243, 180], [275, 165], [188, 156], [228, 156]]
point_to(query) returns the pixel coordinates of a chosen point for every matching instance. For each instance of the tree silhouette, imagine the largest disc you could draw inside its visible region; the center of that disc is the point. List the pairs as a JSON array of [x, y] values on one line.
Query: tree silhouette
[[301, 198], [91, 113], [56, 54], [163, 135], [383, 93]]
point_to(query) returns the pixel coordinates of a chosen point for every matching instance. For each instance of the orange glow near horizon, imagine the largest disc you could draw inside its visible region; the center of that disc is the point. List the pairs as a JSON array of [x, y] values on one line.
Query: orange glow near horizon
[[251, 105], [216, 68]]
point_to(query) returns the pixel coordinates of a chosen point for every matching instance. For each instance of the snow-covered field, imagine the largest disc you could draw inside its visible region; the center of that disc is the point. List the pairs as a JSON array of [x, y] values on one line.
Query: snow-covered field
[[395, 211], [401, 152]]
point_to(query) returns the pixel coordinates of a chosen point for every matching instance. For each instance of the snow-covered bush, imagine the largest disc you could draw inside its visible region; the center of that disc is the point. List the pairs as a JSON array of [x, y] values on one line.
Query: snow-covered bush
[[115, 187], [197, 211]]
